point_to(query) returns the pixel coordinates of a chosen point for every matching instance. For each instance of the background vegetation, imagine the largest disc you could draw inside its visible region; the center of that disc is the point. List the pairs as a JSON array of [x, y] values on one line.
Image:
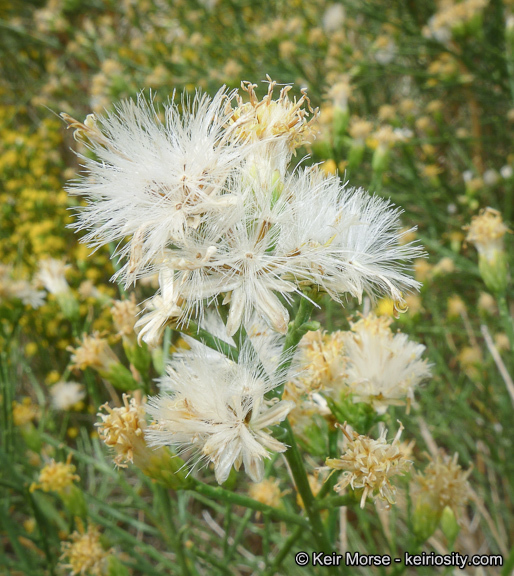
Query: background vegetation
[[417, 105]]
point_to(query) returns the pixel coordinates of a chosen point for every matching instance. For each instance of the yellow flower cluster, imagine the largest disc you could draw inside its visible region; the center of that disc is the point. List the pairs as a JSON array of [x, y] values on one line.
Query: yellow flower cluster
[[84, 553], [56, 477]]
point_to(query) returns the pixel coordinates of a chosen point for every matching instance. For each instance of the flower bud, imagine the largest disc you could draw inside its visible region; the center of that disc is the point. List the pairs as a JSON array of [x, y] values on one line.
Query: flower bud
[[115, 567], [123, 429], [449, 525], [425, 519], [486, 232], [96, 353]]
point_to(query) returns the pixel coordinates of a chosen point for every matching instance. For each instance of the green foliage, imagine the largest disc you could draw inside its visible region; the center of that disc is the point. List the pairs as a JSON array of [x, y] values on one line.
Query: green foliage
[[437, 89]]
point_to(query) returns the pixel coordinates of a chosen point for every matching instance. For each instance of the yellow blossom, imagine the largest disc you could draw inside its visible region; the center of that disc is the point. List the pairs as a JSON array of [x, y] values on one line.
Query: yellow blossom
[[84, 554], [329, 167], [56, 477], [24, 412], [267, 492], [456, 306]]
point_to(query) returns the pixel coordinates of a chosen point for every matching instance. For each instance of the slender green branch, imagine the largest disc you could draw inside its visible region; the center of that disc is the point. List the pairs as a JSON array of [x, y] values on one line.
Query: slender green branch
[[239, 534], [280, 557], [506, 318], [299, 327], [333, 502], [218, 493], [325, 489], [294, 458], [173, 536], [297, 330], [211, 341]]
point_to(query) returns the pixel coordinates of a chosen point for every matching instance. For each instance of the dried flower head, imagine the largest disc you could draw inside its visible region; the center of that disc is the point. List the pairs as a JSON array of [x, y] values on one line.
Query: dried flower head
[[123, 430], [369, 464], [216, 408], [486, 232], [65, 395], [172, 173], [124, 313], [267, 492], [322, 360], [306, 231], [382, 368], [93, 352], [84, 553], [214, 212], [443, 483], [56, 477], [281, 120]]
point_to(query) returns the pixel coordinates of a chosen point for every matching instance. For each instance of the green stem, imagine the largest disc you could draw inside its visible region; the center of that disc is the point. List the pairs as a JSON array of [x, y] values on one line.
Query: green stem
[[296, 331], [280, 557], [334, 502], [506, 318], [239, 534], [294, 458], [173, 536], [299, 327], [211, 341], [217, 493], [166, 346]]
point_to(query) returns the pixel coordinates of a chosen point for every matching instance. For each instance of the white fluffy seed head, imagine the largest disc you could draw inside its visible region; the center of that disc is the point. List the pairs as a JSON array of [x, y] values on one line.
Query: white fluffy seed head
[[207, 207], [154, 179], [216, 409]]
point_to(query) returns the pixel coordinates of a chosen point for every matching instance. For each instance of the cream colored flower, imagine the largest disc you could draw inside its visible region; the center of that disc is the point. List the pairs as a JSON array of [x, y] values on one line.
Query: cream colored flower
[[124, 315], [122, 429], [382, 368], [321, 356], [216, 408], [278, 122], [51, 275], [368, 465], [65, 395], [93, 352], [486, 232], [443, 483]]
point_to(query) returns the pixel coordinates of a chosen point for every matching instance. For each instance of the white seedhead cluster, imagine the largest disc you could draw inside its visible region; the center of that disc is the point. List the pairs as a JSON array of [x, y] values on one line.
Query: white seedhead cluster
[[202, 195]]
